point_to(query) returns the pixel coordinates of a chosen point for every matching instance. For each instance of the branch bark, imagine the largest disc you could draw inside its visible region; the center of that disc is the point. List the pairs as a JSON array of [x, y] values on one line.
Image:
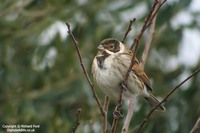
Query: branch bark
[[78, 114], [128, 30]]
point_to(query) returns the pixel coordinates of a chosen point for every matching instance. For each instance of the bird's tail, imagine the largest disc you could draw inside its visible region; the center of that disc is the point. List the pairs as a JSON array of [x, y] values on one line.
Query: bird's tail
[[154, 102]]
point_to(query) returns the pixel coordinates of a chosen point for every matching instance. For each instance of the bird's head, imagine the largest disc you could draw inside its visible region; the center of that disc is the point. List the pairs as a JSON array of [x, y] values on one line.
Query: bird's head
[[111, 46]]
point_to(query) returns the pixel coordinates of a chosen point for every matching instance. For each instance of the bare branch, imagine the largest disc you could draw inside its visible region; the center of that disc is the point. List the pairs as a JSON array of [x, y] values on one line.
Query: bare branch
[[149, 37], [137, 39], [164, 100], [129, 29], [78, 114], [84, 70], [105, 109], [196, 126], [155, 13], [147, 22], [128, 116]]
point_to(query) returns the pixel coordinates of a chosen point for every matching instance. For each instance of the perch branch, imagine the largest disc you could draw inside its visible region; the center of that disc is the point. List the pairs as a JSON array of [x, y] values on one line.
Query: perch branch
[[78, 114], [164, 100], [84, 70]]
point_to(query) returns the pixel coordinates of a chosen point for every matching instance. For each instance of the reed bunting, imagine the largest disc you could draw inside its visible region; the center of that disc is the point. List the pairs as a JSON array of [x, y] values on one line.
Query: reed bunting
[[109, 68]]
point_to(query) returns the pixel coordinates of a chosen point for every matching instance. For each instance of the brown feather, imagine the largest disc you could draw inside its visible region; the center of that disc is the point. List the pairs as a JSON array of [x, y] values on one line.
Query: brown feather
[[141, 74], [138, 70]]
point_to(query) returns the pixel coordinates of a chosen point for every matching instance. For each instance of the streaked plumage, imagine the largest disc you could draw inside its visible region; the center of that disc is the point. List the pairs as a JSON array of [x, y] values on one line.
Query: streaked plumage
[[110, 66]]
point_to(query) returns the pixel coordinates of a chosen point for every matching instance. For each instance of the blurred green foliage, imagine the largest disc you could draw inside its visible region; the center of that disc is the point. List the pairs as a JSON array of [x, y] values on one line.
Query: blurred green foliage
[[41, 81]]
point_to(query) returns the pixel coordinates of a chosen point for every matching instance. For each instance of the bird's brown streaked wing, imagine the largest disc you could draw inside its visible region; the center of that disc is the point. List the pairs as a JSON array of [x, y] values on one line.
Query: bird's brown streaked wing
[[138, 70], [141, 74]]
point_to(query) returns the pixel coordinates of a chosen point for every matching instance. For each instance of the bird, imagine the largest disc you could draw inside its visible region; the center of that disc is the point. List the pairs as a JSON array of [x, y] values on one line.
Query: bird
[[109, 68]]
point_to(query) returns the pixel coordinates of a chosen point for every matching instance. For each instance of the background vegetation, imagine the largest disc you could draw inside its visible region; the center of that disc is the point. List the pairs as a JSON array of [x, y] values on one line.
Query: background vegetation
[[41, 81]]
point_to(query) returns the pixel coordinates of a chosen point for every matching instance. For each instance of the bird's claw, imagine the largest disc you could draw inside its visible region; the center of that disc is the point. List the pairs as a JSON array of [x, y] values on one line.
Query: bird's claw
[[117, 114], [124, 85]]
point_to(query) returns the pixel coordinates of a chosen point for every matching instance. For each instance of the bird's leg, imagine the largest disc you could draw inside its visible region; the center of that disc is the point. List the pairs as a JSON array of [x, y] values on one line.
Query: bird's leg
[[117, 114]]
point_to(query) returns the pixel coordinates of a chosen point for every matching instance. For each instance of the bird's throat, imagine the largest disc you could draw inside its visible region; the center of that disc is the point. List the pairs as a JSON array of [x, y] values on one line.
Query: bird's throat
[[101, 59]]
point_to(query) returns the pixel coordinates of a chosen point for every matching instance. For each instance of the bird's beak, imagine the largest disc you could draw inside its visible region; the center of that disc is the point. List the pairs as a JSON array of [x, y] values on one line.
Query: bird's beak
[[100, 47]]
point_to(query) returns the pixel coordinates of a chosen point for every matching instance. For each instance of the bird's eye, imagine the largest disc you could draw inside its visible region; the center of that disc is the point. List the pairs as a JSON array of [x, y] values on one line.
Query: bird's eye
[[111, 46]]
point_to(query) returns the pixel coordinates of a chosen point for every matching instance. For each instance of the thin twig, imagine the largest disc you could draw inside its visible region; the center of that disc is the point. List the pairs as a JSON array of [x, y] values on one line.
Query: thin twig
[[128, 30], [147, 22], [78, 114], [196, 126], [149, 36], [156, 11], [105, 109], [164, 100], [84, 70]]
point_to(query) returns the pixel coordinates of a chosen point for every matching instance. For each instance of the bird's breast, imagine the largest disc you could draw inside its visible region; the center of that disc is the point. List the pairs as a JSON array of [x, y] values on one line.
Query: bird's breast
[[110, 72]]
